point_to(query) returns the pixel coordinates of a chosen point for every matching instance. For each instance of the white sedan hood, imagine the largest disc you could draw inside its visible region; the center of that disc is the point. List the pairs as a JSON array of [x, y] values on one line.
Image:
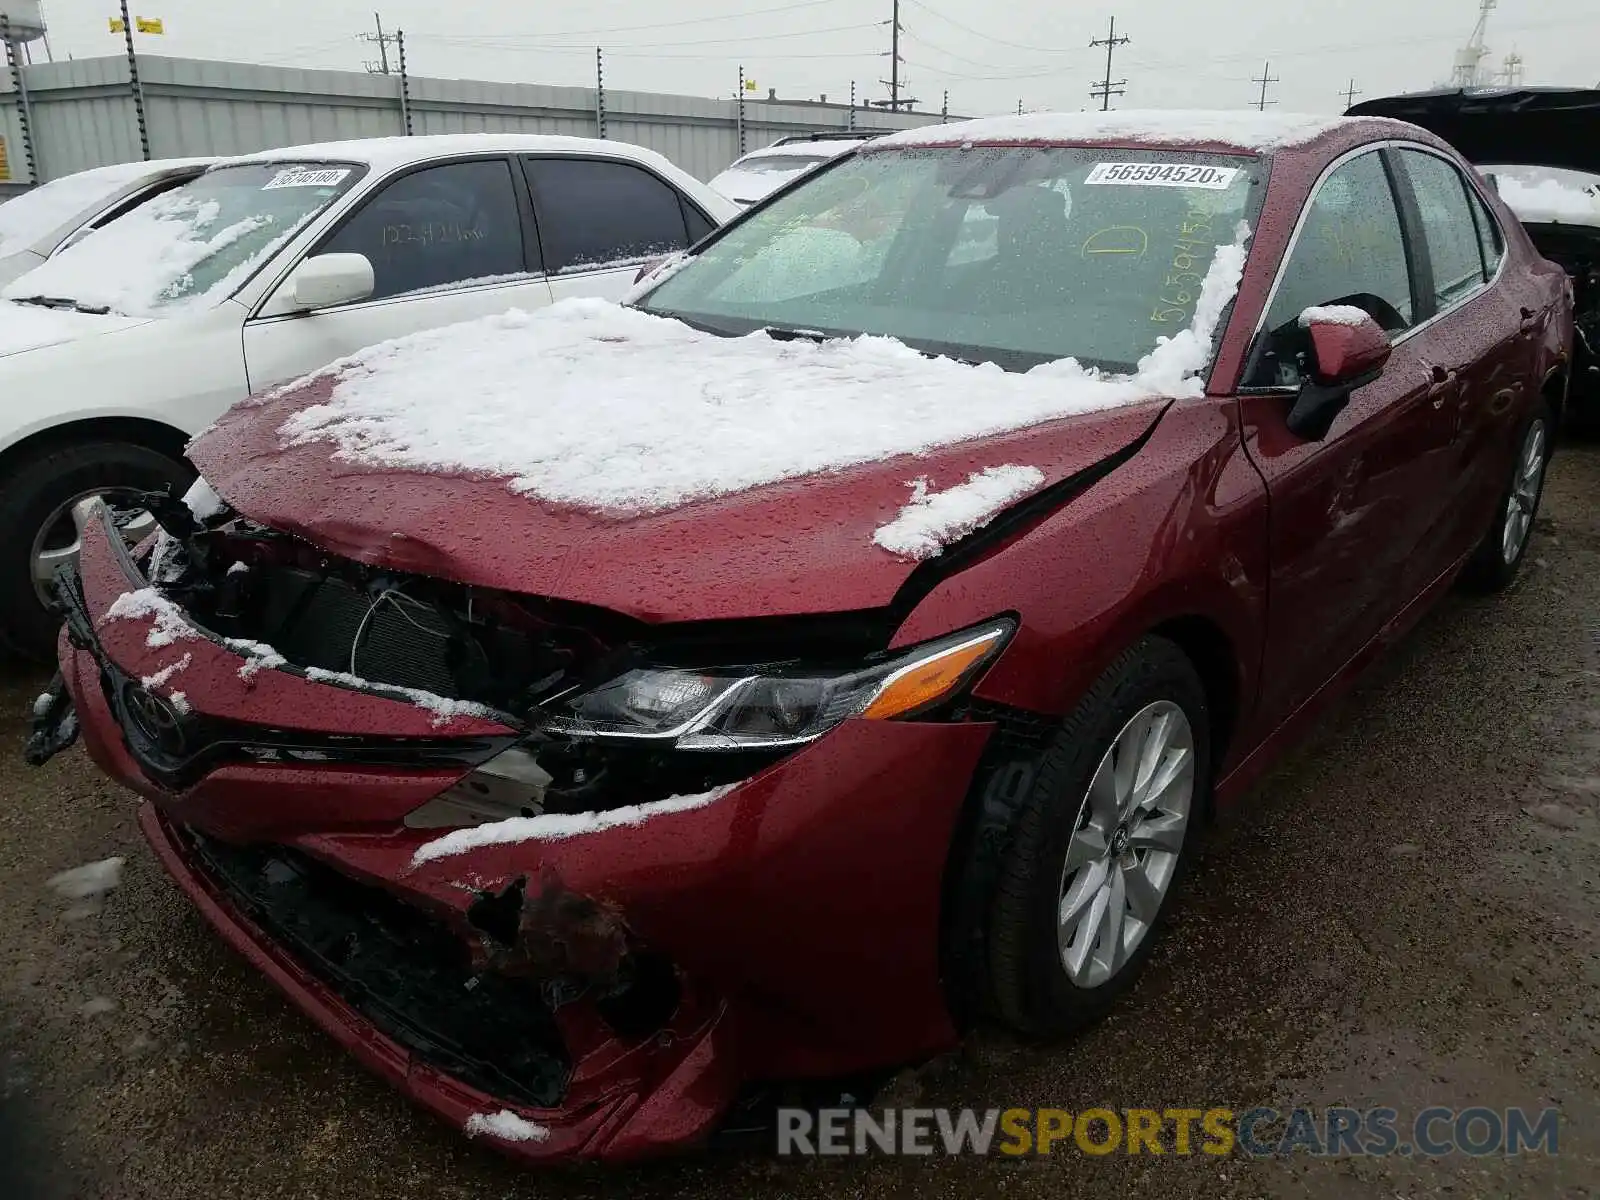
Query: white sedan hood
[[28, 327]]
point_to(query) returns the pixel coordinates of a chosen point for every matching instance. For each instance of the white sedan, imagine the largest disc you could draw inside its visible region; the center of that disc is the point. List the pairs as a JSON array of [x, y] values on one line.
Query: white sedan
[[761, 172], [269, 266], [40, 222]]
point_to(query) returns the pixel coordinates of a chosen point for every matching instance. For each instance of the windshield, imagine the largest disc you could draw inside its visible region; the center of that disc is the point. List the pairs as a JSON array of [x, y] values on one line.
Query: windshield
[[1009, 255], [190, 248], [44, 209]]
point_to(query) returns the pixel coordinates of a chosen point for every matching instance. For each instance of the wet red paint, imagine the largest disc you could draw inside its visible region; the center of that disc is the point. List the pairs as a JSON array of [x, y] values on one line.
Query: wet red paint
[[803, 908]]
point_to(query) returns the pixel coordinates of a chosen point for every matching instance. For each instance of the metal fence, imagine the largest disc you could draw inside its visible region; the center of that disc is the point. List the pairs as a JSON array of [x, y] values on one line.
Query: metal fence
[[83, 113]]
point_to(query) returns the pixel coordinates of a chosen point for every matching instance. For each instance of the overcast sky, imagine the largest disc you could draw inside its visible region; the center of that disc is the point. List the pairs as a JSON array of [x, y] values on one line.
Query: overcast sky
[[1184, 53]]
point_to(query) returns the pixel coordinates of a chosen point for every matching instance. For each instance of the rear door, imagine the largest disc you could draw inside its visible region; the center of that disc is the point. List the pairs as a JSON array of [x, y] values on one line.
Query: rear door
[[1478, 336], [448, 242], [1348, 513], [601, 219]]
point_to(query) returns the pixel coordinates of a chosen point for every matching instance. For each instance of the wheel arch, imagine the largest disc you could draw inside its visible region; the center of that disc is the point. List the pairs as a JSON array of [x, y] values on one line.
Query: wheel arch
[[140, 431], [1216, 660]]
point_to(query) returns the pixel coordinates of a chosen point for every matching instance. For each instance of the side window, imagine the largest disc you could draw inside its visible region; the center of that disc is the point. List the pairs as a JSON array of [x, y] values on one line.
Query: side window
[[699, 225], [1350, 251], [1489, 235], [592, 213], [452, 224], [1447, 223]]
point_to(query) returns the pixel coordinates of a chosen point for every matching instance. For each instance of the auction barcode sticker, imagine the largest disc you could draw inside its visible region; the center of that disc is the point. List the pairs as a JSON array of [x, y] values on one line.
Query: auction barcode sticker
[[1163, 174], [300, 177]]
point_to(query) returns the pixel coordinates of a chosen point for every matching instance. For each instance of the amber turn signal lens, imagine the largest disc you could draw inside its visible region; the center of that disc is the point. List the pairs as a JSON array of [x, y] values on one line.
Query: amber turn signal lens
[[924, 683]]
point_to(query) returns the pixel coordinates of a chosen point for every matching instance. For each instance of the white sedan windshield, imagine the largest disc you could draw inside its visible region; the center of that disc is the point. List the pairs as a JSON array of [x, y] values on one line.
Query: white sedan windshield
[[190, 248]]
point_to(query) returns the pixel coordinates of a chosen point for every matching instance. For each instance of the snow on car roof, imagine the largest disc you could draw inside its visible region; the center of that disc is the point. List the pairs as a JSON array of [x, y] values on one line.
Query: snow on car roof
[[40, 212], [386, 153], [1176, 127], [818, 149]]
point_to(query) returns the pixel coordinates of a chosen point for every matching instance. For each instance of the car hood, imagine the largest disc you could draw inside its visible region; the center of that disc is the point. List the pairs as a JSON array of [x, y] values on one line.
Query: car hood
[[27, 327], [1545, 127], [802, 546]]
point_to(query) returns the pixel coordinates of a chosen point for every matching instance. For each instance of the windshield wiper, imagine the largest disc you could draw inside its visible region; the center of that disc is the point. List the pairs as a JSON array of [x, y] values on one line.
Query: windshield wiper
[[65, 304]]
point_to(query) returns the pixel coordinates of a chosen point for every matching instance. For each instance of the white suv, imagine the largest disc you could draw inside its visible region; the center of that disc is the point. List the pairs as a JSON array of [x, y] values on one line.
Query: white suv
[[121, 347]]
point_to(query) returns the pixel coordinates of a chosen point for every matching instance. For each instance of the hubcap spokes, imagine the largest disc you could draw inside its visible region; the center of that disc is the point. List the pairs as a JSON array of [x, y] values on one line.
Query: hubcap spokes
[[1525, 487], [58, 541], [1124, 849]]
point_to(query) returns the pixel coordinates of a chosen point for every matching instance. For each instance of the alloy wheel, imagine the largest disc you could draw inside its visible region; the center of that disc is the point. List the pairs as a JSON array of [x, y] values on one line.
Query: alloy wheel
[[1526, 483], [1124, 850], [61, 535]]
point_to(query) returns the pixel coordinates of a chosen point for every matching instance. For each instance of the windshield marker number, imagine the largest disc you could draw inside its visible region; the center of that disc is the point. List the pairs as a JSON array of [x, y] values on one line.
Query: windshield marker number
[[299, 177], [1181, 288], [1157, 174]]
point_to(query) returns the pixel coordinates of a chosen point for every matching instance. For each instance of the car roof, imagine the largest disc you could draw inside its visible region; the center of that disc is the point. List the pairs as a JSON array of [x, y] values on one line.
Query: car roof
[[807, 149], [387, 153], [1244, 131]]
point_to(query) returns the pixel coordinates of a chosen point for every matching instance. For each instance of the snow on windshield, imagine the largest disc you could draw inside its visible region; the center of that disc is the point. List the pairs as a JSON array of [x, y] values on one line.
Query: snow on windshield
[[1546, 201], [189, 248], [621, 412]]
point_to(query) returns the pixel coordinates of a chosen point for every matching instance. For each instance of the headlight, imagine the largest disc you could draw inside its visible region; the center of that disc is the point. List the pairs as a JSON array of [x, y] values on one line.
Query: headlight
[[732, 709]]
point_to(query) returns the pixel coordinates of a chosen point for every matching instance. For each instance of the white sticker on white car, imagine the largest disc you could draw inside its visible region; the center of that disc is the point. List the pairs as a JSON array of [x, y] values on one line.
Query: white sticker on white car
[[1158, 174], [300, 177]]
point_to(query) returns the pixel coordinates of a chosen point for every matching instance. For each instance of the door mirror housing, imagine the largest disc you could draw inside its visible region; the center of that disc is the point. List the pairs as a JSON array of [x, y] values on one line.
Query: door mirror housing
[[326, 280], [1348, 350]]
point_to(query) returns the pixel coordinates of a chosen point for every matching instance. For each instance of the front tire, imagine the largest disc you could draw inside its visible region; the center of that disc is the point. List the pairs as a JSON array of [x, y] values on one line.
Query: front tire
[[1100, 843], [36, 531]]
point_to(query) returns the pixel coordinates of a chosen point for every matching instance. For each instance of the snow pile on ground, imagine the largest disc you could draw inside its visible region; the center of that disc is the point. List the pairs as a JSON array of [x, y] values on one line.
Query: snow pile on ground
[[505, 1125], [1550, 201], [553, 827], [933, 519], [610, 409], [143, 263], [90, 880], [1334, 314], [167, 672], [1176, 127], [444, 710], [170, 625]]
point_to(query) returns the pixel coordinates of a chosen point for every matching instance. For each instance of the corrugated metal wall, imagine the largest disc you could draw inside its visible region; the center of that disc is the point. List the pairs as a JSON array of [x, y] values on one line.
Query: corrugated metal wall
[[83, 114]]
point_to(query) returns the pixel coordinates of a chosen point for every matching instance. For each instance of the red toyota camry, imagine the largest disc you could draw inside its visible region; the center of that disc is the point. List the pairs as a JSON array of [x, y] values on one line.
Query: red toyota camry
[[592, 717]]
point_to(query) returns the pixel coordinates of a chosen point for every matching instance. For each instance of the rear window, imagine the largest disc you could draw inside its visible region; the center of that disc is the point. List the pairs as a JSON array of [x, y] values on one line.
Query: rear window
[[1010, 255], [779, 164]]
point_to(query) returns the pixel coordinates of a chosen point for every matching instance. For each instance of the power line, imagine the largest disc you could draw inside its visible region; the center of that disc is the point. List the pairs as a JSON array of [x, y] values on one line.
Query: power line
[[989, 37], [1264, 79], [717, 20], [1105, 90]]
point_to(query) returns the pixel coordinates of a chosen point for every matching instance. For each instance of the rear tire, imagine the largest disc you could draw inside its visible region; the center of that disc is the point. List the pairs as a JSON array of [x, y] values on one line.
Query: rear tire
[[1053, 964], [32, 497], [1499, 556]]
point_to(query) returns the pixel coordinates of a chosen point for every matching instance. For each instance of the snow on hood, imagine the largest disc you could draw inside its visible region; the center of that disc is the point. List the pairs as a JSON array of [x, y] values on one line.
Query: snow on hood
[[1247, 130], [137, 265], [26, 327], [1550, 201], [43, 210], [594, 406]]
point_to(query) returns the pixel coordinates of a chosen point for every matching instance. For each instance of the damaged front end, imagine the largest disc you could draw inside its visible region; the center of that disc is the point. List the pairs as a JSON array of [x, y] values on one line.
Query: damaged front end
[[529, 856]]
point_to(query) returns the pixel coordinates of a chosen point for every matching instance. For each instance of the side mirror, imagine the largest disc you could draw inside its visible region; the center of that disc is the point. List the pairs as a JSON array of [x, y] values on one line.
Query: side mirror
[[326, 280], [1348, 351]]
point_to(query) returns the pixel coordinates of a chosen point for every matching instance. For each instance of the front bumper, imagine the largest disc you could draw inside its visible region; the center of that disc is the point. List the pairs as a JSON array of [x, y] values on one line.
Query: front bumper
[[799, 913]]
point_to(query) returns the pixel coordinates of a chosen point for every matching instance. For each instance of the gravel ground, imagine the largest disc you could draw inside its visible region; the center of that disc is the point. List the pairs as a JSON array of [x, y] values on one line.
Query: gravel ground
[[1404, 914]]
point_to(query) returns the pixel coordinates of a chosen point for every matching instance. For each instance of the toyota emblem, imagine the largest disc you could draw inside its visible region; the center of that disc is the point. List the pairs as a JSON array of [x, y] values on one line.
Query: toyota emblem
[[154, 719]]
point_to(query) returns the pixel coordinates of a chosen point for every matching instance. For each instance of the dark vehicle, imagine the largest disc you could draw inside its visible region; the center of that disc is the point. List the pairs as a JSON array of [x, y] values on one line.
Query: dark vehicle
[[1556, 132], [593, 717]]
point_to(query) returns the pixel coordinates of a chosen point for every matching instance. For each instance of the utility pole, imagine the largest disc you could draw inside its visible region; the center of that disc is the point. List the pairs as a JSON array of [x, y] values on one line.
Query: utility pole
[[852, 123], [600, 90], [1106, 89], [24, 107], [1264, 79], [894, 59], [741, 112], [1350, 93], [134, 85], [382, 41], [405, 80], [1019, 108], [944, 112]]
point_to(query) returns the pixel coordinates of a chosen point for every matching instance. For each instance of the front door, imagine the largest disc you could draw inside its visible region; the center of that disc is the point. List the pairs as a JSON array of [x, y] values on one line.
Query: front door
[[1350, 514], [448, 242]]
